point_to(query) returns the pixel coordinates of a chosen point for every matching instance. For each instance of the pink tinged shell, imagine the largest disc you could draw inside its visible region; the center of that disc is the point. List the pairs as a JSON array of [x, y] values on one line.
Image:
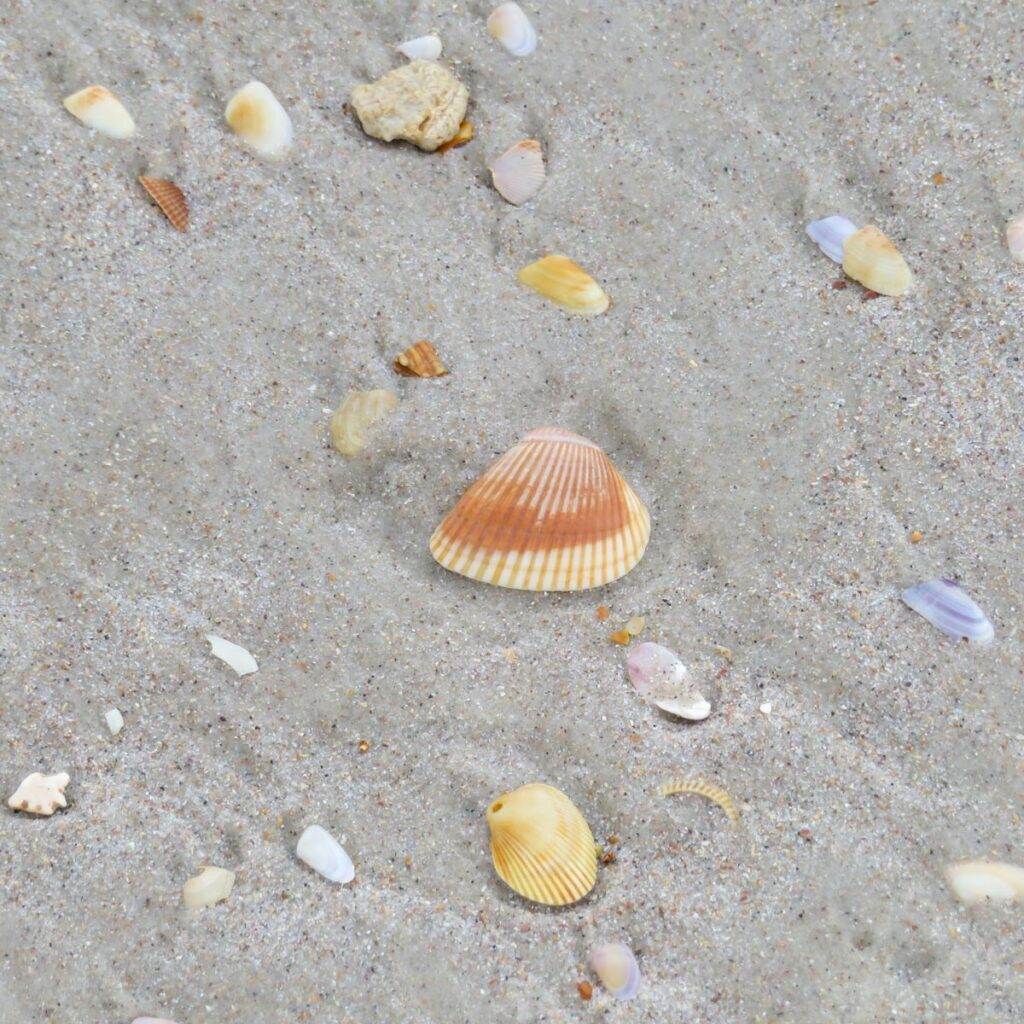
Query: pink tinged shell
[[1015, 238], [519, 172], [949, 609], [616, 967], [655, 672]]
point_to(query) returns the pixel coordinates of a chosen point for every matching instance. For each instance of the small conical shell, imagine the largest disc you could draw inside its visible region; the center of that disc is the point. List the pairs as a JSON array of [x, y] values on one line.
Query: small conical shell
[[553, 513], [519, 172], [872, 260], [256, 115], [420, 360], [509, 24], [566, 284], [210, 886], [360, 411], [541, 845], [169, 198], [325, 855], [97, 107], [421, 48]]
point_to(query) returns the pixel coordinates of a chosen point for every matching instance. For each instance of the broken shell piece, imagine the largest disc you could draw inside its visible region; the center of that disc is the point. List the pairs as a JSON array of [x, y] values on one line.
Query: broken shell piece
[[360, 411], [552, 513], [708, 790], [661, 678], [231, 654], [169, 198], [831, 234], [325, 855], [422, 103], [40, 794], [114, 720], [978, 881], [616, 967], [1015, 238], [99, 108], [635, 626], [541, 845], [866, 255], [948, 608], [256, 115], [566, 284], [460, 138], [420, 360], [210, 886], [518, 173], [509, 24], [421, 48]]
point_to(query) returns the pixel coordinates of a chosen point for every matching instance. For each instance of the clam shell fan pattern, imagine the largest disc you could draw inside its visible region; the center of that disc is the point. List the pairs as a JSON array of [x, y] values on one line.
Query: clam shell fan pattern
[[553, 513], [541, 845]]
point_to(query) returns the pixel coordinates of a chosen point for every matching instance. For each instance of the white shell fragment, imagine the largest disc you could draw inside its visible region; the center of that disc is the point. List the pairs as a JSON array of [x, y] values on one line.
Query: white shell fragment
[[97, 107], [1015, 238], [979, 881], [114, 720], [831, 234], [40, 794], [231, 654], [509, 24], [421, 48], [325, 855], [518, 173], [948, 608], [661, 678], [210, 886], [257, 117], [616, 967]]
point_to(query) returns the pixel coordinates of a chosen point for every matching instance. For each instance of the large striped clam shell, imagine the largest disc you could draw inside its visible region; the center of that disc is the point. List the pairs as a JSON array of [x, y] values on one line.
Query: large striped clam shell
[[553, 513], [541, 845]]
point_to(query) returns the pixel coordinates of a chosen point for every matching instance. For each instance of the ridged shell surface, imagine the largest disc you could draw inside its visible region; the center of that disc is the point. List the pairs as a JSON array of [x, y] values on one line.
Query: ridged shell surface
[[169, 198], [541, 845], [553, 513]]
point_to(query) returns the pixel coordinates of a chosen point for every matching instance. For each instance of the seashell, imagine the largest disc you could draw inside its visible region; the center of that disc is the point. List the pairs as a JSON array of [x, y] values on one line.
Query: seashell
[[256, 115], [708, 790], [231, 654], [509, 24], [518, 173], [660, 677], [873, 261], [1015, 238], [169, 198], [979, 881], [114, 720], [948, 608], [831, 234], [360, 411], [552, 513], [460, 138], [99, 108], [325, 855], [616, 967], [40, 794], [420, 360], [566, 284], [210, 886], [636, 625], [541, 845], [422, 103], [421, 48]]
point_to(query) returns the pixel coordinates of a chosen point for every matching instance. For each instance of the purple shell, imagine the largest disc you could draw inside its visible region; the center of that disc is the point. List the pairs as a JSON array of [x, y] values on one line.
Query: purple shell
[[948, 608], [616, 966], [831, 234]]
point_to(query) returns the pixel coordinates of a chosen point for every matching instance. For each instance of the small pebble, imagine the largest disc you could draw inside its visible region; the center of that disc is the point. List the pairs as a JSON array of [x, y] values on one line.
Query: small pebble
[[766, 708], [635, 626], [114, 720], [585, 989], [916, 537]]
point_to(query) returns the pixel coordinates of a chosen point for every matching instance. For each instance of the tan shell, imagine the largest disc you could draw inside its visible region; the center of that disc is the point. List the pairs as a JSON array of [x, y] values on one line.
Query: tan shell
[[518, 173], [422, 103], [97, 107], [566, 284], [420, 360], [169, 198], [553, 513], [40, 794], [460, 138], [872, 260], [210, 886], [360, 411], [256, 115], [541, 845]]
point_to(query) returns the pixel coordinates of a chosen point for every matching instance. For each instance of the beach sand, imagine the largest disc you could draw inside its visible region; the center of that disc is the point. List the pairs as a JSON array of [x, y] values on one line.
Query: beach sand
[[166, 472]]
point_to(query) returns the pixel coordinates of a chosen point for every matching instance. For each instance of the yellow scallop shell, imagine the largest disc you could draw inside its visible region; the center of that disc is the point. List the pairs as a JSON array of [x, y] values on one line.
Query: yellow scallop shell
[[566, 284], [872, 260], [541, 845]]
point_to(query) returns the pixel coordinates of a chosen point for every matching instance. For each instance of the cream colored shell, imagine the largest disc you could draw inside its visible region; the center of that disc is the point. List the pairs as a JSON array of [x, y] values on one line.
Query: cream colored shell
[[872, 260]]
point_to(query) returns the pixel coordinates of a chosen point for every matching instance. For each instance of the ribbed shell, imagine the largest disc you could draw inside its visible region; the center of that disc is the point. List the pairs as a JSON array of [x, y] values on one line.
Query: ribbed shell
[[541, 845], [519, 172], [566, 284], [553, 513], [871, 259], [420, 360], [169, 198]]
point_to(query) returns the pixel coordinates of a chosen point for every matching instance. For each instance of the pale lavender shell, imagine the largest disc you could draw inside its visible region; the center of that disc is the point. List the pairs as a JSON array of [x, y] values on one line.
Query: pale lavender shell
[[831, 234], [616, 966], [655, 671], [948, 608]]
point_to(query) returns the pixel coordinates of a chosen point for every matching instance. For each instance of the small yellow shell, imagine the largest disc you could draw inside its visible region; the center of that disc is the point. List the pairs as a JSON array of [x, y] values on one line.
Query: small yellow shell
[[872, 260], [210, 886], [360, 410], [97, 107], [541, 845], [566, 284], [708, 790], [420, 360]]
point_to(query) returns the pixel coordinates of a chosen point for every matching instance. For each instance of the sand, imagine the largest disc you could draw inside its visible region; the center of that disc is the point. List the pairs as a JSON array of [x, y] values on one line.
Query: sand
[[166, 473]]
